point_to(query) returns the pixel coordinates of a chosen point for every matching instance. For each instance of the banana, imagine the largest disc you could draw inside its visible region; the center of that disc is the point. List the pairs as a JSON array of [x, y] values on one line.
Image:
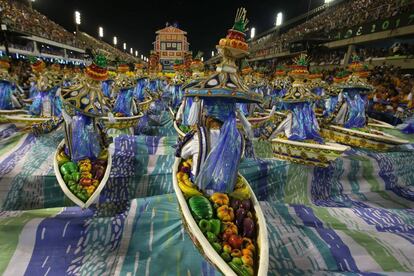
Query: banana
[[188, 191], [241, 193]]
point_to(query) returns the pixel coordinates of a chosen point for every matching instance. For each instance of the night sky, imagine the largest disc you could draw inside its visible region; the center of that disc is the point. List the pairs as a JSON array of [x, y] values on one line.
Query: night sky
[[135, 22]]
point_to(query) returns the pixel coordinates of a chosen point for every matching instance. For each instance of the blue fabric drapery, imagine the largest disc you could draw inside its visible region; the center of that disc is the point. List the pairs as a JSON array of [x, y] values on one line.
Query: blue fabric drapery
[[123, 103], [219, 171], [6, 95], [304, 124], [356, 109]]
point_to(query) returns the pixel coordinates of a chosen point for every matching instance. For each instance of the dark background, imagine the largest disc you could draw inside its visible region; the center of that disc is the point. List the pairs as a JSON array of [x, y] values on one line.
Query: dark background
[[135, 22]]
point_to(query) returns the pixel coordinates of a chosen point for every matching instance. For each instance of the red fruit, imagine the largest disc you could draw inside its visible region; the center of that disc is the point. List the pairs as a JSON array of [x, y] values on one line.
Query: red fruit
[[227, 235], [235, 241]]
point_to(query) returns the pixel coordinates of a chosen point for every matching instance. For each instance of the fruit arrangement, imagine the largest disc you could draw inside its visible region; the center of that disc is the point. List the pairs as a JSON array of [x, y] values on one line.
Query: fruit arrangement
[[234, 39], [83, 177], [227, 221]]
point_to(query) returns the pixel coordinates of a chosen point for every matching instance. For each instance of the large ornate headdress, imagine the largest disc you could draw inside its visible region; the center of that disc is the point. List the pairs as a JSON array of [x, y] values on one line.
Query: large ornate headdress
[[225, 82], [299, 91], [88, 98]]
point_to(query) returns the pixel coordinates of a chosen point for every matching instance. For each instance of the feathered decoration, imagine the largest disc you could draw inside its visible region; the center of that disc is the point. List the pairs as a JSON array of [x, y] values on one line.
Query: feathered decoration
[[240, 22]]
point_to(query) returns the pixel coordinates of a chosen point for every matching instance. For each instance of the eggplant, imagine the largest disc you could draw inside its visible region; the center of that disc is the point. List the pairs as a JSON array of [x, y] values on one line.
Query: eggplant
[[240, 215], [246, 204], [248, 228], [235, 204]]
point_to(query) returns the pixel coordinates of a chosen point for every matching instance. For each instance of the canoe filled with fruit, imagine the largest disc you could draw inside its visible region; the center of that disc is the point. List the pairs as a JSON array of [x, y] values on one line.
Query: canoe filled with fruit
[[83, 181], [228, 229]]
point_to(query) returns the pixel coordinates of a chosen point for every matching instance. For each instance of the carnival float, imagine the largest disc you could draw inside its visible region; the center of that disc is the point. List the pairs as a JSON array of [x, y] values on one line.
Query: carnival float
[[348, 124], [296, 136], [82, 162], [218, 207], [124, 113]]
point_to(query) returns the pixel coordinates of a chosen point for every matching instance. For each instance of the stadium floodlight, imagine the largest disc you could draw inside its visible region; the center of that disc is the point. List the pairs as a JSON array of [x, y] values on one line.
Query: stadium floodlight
[[142, 56], [124, 46], [131, 51], [77, 18], [136, 53], [279, 18], [115, 40], [252, 32], [101, 33]]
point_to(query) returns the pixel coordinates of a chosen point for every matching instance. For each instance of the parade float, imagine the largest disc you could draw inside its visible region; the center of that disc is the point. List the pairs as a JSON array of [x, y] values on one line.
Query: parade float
[[296, 137], [124, 115], [180, 117], [141, 94], [46, 105], [219, 209], [279, 85], [10, 98], [318, 87], [82, 162], [349, 123], [176, 86]]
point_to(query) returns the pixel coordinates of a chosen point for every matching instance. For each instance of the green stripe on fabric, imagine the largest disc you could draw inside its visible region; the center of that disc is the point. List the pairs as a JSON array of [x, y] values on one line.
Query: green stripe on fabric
[[379, 253], [296, 187], [367, 174], [10, 144], [322, 247], [353, 180], [10, 229]]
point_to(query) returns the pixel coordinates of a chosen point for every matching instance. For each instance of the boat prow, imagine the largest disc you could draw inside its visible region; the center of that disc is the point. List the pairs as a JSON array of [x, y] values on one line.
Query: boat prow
[[204, 246], [307, 153], [26, 119], [256, 122], [122, 122], [172, 113], [178, 130], [371, 138], [145, 105], [12, 112], [374, 123], [68, 192]]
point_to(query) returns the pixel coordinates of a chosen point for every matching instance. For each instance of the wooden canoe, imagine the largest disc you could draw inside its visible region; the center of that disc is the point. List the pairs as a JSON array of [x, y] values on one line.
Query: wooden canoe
[[68, 192], [203, 244]]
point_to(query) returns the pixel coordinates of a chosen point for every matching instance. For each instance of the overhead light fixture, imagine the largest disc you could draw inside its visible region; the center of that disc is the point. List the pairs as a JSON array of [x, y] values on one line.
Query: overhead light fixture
[[279, 19], [252, 33], [115, 40], [77, 18], [101, 32]]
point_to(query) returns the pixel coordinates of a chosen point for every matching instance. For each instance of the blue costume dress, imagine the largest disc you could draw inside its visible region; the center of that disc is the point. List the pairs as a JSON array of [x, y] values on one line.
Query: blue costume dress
[[6, 95]]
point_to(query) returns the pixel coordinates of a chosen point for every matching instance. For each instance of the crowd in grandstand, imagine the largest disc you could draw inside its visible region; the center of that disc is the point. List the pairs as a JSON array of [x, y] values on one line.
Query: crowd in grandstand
[[21, 18], [342, 15]]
